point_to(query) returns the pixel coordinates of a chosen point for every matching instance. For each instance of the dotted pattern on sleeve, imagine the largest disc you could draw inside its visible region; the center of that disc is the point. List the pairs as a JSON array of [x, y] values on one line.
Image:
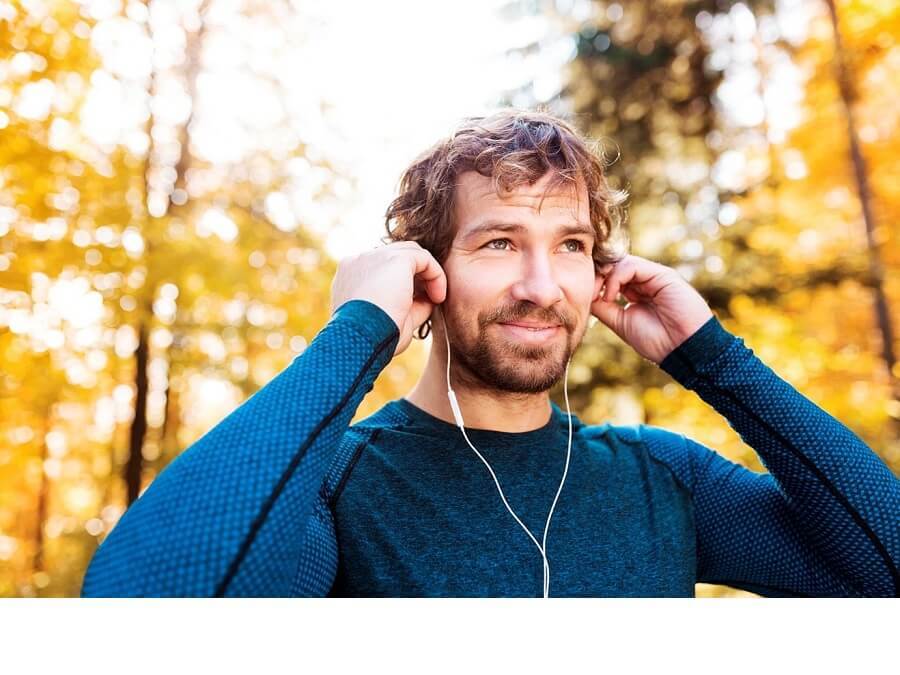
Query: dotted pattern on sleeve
[[824, 520], [240, 510], [247, 510]]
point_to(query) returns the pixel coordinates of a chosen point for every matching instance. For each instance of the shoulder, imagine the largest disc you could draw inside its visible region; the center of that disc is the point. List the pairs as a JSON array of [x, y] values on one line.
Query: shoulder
[[663, 446], [632, 434], [353, 443]]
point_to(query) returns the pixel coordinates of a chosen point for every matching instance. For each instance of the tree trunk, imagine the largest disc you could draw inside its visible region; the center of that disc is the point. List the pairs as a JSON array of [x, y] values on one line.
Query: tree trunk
[[860, 172], [135, 464], [37, 562]]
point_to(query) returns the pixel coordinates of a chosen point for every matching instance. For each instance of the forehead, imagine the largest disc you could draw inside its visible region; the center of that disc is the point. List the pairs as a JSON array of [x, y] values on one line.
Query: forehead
[[476, 200]]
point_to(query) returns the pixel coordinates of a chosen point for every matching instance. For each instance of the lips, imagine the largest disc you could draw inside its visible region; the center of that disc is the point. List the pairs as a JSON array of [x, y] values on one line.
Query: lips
[[532, 326], [531, 333]]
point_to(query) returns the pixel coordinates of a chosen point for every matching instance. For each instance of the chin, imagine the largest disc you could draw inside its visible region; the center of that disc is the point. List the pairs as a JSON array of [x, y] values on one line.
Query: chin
[[511, 366], [535, 371], [521, 383]]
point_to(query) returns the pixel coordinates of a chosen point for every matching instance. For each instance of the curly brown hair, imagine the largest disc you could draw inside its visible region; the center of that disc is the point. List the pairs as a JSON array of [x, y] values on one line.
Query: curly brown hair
[[512, 147]]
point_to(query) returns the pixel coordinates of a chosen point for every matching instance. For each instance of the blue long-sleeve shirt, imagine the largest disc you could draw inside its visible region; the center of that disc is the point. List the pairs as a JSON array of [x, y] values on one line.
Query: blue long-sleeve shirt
[[285, 498]]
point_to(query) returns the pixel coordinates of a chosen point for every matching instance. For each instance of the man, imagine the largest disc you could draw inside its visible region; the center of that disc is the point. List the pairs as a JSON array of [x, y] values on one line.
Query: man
[[508, 228]]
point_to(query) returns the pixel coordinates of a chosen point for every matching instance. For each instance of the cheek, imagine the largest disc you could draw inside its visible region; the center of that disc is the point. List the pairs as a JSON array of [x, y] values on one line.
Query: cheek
[[478, 288], [581, 291], [582, 288]]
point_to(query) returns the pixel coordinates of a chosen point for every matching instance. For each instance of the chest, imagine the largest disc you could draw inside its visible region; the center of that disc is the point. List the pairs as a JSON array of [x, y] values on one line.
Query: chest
[[619, 528]]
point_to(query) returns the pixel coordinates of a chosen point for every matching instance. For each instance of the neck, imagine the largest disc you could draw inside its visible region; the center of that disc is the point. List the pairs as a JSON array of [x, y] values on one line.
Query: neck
[[482, 408]]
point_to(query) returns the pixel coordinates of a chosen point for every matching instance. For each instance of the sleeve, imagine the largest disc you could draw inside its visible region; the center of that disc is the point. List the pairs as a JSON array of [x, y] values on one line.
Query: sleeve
[[824, 520], [234, 514]]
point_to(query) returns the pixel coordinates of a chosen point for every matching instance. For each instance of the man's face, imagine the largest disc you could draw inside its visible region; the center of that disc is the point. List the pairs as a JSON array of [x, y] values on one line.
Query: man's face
[[520, 283]]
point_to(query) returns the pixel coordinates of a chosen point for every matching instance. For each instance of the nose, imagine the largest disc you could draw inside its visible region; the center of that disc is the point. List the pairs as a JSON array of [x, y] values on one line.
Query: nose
[[537, 283]]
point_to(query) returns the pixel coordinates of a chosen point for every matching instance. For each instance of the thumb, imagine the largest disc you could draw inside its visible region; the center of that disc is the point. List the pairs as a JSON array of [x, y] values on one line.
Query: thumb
[[611, 314], [419, 312]]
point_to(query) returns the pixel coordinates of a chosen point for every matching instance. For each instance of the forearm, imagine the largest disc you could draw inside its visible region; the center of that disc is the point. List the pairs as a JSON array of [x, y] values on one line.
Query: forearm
[[205, 526], [843, 496]]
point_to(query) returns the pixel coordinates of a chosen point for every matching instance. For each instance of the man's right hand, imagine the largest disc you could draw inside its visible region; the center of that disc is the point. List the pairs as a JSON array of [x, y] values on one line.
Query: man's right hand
[[387, 277]]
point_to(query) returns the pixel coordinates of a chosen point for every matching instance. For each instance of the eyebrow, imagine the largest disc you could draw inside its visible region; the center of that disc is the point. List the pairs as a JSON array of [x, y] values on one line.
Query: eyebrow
[[500, 226]]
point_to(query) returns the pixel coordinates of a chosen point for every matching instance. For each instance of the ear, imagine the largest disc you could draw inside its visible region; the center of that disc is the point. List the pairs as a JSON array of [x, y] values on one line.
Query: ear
[[599, 280]]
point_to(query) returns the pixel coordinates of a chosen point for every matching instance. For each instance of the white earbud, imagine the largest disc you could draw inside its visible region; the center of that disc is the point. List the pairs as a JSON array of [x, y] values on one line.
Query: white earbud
[[457, 415]]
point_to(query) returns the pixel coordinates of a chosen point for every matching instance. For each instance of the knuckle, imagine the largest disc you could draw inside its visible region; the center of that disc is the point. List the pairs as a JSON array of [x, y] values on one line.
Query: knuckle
[[405, 244]]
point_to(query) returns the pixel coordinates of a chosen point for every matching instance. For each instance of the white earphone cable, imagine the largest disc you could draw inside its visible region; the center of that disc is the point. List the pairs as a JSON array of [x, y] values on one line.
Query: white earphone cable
[[457, 414]]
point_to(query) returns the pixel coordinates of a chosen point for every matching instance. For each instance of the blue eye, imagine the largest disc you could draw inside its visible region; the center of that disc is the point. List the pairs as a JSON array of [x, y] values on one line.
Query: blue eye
[[580, 245], [488, 245]]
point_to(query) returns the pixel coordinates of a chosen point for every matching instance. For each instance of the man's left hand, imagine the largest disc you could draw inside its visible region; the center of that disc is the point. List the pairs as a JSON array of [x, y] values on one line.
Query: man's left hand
[[663, 309]]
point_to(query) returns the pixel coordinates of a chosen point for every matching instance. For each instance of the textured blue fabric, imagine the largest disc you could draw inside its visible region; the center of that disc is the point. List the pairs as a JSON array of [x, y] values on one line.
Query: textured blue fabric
[[239, 512], [420, 515], [284, 498]]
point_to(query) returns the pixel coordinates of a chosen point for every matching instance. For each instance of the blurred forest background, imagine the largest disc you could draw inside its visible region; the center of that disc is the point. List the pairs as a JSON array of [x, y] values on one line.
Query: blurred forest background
[[167, 190]]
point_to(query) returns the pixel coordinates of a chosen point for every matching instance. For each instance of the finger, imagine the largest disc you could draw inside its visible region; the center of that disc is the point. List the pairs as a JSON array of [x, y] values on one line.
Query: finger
[[432, 275], [633, 295], [601, 275], [603, 270], [647, 273], [419, 312], [609, 313], [405, 243], [621, 274], [641, 274]]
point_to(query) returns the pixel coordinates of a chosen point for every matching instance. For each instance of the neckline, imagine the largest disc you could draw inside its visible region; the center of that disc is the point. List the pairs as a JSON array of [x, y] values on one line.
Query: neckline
[[491, 437]]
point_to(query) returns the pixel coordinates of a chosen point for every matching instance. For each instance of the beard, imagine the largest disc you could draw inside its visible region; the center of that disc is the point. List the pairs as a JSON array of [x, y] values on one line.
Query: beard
[[494, 362]]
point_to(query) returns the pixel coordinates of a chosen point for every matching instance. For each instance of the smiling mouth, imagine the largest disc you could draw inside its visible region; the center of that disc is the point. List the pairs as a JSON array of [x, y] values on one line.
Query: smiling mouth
[[530, 326], [531, 334]]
